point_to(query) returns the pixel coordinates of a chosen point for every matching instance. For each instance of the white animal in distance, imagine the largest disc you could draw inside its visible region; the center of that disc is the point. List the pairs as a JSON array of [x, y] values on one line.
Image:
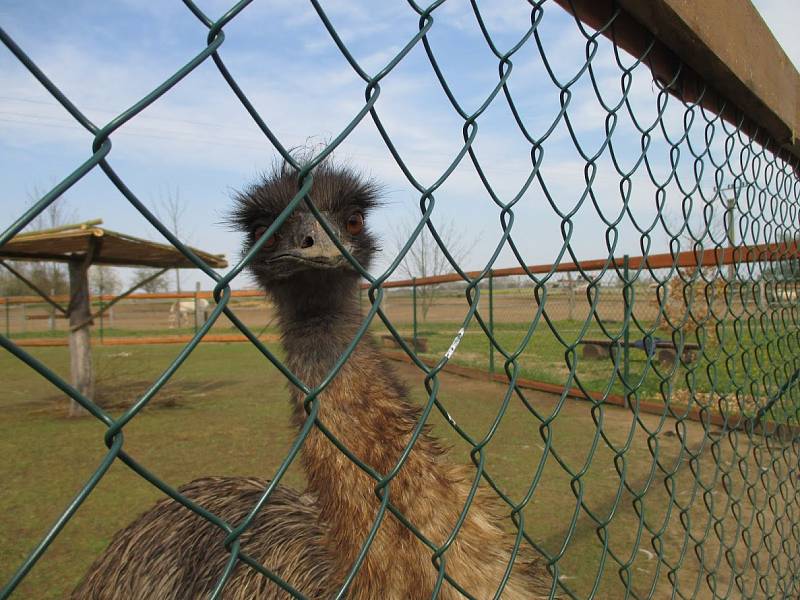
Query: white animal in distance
[[184, 310]]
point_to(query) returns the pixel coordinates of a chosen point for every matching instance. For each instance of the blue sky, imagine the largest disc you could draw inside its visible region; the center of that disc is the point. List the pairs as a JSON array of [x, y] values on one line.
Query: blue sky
[[199, 142]]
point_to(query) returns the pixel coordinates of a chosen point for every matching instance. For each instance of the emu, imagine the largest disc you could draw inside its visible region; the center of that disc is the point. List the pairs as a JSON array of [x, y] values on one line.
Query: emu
[[312, 539]]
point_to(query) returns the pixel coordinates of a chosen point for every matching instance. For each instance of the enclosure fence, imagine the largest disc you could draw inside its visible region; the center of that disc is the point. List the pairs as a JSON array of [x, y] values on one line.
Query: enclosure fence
[[719, 515]]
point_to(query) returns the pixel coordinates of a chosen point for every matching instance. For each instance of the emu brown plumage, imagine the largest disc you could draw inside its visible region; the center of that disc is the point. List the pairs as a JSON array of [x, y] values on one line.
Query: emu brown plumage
[[311, 540]]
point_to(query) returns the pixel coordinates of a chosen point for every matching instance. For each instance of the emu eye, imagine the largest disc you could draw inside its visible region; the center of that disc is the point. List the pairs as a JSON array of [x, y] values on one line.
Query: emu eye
[[355, 223], [258, 232]]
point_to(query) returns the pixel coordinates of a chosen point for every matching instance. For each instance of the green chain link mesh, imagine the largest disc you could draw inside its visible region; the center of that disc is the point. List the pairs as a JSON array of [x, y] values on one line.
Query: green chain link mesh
[[738, 506]]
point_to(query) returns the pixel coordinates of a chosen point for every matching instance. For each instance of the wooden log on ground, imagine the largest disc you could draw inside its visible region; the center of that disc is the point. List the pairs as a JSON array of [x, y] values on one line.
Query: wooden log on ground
[[388, 341]]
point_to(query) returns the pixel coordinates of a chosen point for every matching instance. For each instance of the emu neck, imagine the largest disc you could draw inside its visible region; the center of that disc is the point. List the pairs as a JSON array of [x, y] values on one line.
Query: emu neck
[[364, 406], [328, 301]]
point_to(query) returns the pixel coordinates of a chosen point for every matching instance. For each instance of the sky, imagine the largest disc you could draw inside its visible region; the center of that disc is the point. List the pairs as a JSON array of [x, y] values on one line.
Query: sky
[[199, 144]]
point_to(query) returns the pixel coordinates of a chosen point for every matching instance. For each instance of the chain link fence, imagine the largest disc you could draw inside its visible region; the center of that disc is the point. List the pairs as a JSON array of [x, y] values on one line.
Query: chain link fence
[[709, 344]]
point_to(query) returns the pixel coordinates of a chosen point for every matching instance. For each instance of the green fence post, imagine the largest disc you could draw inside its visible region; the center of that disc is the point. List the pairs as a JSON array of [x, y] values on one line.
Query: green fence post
[[491, 321], [414, 304], [196, 316], [8, 319], [626, 333]]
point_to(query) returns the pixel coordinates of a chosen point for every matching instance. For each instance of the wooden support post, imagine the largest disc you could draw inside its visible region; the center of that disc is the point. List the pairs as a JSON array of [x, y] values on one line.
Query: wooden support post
[[80, 348]]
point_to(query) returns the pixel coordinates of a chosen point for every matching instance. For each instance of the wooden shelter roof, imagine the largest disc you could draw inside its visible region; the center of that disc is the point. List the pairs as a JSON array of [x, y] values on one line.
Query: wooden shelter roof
[[69, 242]]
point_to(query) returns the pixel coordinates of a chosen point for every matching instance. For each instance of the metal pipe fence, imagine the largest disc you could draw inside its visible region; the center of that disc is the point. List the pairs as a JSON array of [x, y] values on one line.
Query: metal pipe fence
[[701, 330]]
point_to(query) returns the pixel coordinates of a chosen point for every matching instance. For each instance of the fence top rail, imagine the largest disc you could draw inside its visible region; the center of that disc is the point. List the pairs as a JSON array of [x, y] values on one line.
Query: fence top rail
[[713, 257]]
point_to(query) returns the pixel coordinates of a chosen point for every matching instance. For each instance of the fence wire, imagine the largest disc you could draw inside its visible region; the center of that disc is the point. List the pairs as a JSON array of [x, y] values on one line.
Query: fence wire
[[720, 517]]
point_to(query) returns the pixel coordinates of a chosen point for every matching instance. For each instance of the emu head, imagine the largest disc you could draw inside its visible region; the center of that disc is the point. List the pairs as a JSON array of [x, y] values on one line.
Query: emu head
[[299, 257]]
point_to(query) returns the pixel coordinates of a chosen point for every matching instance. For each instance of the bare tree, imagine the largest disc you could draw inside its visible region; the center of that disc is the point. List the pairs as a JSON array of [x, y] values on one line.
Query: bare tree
[[426, 259], [159, 284], [104, 280], [50, 277], [172, 212]]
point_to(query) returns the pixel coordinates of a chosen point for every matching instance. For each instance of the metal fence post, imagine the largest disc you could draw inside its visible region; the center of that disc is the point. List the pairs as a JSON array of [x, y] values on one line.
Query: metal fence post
[[414, 305], [196, 306], [626, 322], [8, 319], [571, 297], [491, 321], [730, 205]]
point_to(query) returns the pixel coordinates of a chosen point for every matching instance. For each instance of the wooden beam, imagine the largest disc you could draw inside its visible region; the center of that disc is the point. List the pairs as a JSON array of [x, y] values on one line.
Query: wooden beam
[[732, 64]]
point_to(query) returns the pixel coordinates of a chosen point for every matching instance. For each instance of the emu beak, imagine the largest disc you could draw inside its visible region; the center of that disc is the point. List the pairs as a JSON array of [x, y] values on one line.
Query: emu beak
[[311, 244]]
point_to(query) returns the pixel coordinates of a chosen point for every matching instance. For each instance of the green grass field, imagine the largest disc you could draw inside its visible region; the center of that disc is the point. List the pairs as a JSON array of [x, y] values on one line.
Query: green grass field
[[226, 413], [721, 369], [745, 362]]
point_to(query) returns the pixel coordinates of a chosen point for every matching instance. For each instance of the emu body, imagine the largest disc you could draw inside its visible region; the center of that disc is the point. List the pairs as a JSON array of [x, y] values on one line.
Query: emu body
[[311, 540]]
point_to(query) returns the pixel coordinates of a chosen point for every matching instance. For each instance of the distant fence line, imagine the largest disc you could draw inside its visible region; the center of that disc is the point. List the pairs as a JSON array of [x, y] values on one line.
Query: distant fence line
[[711, 257]]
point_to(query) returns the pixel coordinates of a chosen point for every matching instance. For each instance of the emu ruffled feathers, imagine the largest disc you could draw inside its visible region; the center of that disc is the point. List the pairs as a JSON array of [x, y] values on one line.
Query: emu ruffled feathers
[[312, 539]]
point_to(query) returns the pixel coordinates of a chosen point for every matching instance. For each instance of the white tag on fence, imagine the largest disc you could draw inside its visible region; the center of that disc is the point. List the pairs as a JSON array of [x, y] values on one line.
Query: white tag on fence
[[455, 344]]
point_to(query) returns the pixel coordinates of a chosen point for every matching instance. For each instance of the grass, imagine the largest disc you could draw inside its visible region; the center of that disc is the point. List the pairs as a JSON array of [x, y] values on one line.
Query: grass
[[717, 370], [741, 374], [226, 413]]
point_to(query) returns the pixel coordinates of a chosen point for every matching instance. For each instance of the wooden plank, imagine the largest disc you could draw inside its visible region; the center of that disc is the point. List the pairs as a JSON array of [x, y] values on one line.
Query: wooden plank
[[656, 344], [725, 47], [141, 296], [219, 338], [62, 244]]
